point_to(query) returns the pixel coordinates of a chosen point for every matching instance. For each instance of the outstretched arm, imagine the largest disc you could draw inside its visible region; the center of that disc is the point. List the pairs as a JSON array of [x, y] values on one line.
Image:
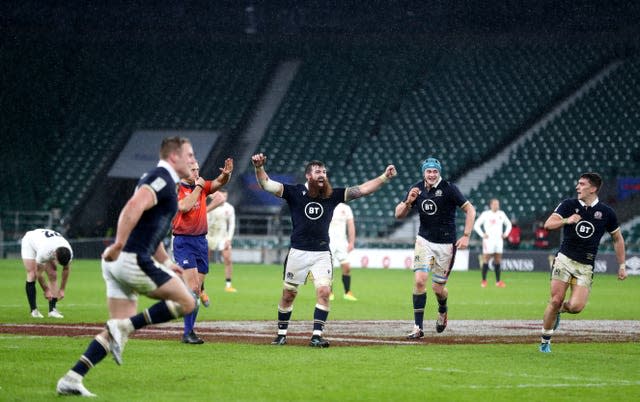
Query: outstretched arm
[[272, 186], [370, 186], [224, 177]]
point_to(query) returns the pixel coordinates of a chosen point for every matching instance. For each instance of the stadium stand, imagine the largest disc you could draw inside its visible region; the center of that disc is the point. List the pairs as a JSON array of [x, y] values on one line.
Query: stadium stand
[[598, 133], [110, 92], [62, 130], [361, 99], [471, 103]]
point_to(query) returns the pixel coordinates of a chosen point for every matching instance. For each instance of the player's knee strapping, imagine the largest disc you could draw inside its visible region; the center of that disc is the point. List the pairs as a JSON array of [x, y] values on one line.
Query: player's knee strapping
[[291, 287], [320, 282]]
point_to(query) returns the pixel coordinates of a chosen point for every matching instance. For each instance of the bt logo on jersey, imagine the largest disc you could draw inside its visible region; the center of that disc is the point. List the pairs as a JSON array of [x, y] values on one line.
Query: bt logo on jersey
[[584, 229], [429, 207], [313, 211]]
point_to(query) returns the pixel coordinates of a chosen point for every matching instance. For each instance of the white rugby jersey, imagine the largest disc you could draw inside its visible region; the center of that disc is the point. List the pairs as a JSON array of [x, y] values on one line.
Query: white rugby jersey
[[338, 226], [222, 221], [492, 224], [41, 244]]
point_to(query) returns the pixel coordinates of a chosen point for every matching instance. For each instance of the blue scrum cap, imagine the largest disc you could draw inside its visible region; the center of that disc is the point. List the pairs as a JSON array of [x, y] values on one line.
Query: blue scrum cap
[[431, 163]]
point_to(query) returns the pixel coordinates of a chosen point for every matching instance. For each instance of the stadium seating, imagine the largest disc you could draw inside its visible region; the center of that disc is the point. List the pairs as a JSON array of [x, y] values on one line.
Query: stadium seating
[[631, 239], [104, 92], [598, 133], [468, 105]]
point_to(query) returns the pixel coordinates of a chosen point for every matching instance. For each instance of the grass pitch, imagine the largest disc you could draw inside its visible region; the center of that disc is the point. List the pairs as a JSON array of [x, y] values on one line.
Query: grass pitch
[[170, 371]]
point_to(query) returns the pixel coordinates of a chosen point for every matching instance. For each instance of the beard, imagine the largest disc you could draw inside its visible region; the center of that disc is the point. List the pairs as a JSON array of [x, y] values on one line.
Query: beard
[[316, 191]]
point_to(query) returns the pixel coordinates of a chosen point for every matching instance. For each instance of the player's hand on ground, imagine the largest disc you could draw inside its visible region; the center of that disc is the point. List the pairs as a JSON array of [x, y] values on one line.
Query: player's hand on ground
[[258, 160]]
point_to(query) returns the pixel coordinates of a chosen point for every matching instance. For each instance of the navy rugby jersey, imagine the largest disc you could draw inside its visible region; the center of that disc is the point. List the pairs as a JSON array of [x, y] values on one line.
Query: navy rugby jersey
[[580, 241], [155, 222], [437, 208], [310, 216]]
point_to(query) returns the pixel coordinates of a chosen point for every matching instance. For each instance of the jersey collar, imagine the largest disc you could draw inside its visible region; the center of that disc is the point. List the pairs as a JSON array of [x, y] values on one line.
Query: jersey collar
[[435, 185], [590, 206], [172, 172]]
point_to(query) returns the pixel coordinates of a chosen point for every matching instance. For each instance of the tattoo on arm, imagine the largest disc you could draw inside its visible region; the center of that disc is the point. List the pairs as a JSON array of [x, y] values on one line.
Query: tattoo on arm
[[353, 193]]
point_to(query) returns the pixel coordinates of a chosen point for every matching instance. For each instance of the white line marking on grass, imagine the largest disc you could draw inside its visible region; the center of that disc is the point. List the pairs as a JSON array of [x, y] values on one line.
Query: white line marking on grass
[[593, 380], [559, 385]]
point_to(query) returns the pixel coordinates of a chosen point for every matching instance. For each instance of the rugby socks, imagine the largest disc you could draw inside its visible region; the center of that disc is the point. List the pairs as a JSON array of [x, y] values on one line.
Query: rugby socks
[[485, 269], [188, 323], [228, 282], [496, 268], [346, 281], [284, 315], [52, 303], [442, 306], [419, 302], [97, 350], [156, 314], [30, 288], [320, 315], [546, 335]]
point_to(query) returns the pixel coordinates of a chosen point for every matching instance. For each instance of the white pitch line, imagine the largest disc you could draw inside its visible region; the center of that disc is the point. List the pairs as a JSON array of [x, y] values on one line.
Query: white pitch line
[[547, 385], [525, 375]]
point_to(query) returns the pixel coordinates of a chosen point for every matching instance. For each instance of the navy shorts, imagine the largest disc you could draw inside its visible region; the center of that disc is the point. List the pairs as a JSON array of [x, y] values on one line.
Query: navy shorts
[[191, 252]]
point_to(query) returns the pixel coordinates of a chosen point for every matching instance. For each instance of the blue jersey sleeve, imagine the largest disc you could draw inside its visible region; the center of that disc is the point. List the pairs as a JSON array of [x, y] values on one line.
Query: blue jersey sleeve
[[564, 209], [457, 196], [612, 222]]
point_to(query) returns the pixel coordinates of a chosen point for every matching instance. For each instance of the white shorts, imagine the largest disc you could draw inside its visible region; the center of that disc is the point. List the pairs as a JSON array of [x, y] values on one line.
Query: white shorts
[[301, 263], [125, 279], [436, 258], [28, 247], [339, 255], [216, 243], [492, 245], [569, 271]]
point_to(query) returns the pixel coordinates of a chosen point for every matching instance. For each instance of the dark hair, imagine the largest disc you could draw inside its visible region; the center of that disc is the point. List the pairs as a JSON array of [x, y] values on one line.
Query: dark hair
[[63, 255], [171, 144], [307, 169], [594, 179]]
